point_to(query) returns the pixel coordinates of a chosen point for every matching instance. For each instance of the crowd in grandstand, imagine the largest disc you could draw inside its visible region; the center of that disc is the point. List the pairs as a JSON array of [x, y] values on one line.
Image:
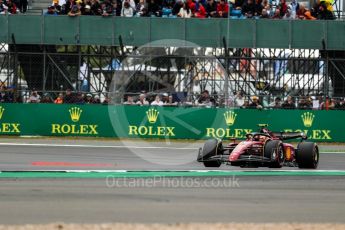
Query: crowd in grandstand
[[13, 6], [204, 99], [274, 9]]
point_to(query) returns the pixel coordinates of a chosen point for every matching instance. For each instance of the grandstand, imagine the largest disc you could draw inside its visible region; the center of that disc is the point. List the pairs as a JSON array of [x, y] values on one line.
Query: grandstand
[[36, 7], [258, 57]]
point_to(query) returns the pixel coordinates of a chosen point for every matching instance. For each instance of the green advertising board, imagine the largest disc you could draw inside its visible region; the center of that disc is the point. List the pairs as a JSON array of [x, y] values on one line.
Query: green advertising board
[[164, 122]]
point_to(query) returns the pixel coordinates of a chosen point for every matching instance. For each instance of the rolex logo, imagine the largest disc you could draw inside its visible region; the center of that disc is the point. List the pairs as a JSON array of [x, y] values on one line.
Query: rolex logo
[[75, 113], [2, 110], [307, 119], [230, 117], [152, 115]]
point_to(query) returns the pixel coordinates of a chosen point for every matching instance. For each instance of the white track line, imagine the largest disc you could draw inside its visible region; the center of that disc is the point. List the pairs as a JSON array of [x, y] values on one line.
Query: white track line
[[333, 152], [95, 146], [172, 171], [110, 146]]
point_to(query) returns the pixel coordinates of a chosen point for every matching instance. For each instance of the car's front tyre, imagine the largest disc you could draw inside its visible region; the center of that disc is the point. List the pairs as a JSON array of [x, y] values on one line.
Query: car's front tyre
[[212, 147]]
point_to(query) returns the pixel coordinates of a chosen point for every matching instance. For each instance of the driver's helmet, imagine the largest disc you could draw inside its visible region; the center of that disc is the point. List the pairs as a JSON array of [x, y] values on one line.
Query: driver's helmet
[[262, 138], [265, 130]]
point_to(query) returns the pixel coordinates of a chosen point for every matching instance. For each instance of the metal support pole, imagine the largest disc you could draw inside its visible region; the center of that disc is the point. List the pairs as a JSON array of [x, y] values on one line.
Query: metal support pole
[[88, 72], [78, 85], [226, 77], [44, 68]]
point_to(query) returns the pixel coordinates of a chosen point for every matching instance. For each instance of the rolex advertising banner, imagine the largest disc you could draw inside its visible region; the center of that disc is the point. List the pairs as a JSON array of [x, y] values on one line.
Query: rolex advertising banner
[[164, 122]]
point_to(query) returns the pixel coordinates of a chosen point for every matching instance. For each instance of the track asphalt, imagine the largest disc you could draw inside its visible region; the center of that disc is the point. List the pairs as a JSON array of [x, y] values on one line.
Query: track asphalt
[[115, 195]]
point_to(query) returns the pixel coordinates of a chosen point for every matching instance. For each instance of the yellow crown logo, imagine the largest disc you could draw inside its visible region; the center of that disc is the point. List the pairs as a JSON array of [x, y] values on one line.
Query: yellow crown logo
[[2, 110], [307, 119], [152, 115], [230, 117], [75, 113]]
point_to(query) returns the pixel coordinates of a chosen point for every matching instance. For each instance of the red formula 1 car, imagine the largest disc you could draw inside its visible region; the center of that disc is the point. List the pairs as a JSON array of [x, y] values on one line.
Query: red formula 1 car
[[261, 149]]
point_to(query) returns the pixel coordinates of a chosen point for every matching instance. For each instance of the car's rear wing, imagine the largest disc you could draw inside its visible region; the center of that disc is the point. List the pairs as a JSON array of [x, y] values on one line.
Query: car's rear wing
[[289, 135]]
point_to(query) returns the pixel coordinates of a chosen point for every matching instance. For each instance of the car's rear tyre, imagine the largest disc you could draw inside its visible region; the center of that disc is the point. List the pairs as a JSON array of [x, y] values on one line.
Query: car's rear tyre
[[274, 150], [307, 155]]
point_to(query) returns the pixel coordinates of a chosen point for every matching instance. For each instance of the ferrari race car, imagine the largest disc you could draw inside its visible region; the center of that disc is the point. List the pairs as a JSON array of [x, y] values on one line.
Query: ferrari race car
[[261, 149]]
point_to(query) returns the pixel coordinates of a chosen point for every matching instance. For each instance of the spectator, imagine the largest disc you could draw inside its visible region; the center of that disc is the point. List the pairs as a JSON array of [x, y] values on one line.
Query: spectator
[[6, 95], [289, 103], [80, 99], [185, 12], [57, 7], [129, 100], [304, 104], [266, 5], [342, 104], [288, 14], [106, 101], [69, 97], [277, 103], [324, 105], [211, 9], [198, 10], [141, 8], [34, 97], [258, 8], [170, 101], [157, 101], [176, 9], [316, 102], [131, 4], [205, 99], [332, 104], [294, 6], [50, 11], [248, 9], [2, 94], [328, 4], [154, 9], [142, 100], [95, 7], [239, 99], [324, 13], [126, 11], [255, 103], [107, 8], [315, 9], [168, 4], [88, 99], [63, 10], [337, 103], [23, 5], [245, 104], [222, 9], [46, 98], [304, 14], [59, 99], [3, 7], [283, 7], [238, 4], [68, 6], [165, 98], [75, 11], [277, 14], [264, 14], [87, 10], [11, 7], [97, 100]]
